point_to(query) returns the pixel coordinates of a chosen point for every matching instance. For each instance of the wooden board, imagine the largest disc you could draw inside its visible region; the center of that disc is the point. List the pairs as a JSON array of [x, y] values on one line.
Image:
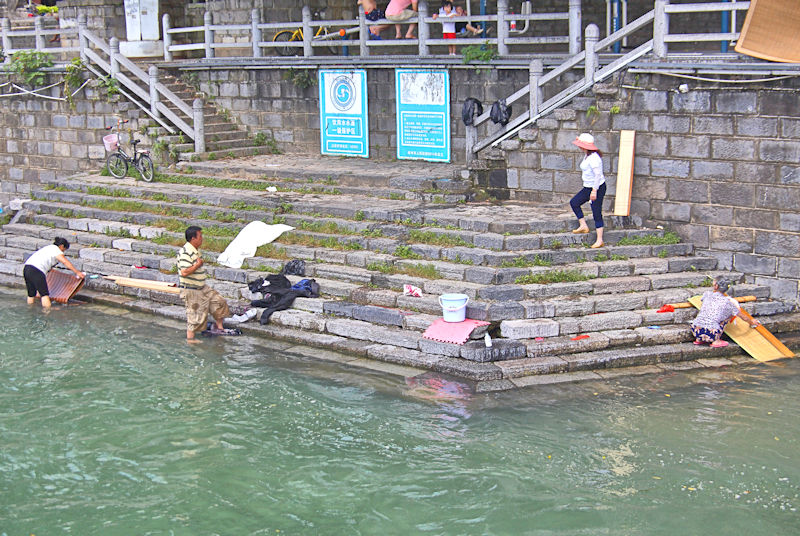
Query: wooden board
[[759, 342], [62, 285], [771, 31], [686, 304], [622, 200], [160, 286]]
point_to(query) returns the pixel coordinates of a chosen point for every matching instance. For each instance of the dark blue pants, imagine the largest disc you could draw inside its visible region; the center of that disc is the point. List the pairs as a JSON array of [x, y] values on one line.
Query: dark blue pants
[[597, 205]]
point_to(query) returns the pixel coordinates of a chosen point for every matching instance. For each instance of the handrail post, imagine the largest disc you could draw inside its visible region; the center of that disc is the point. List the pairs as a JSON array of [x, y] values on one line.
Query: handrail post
[[208, 35], [37, 30], [502, 29], [574, 26], [5, 24], [590, 65], [153, 74], [363, 32], [471, 140], [535, 72], [255, 20], [199, 126], [165, 24], [423, 30], [308, 33], [660, 29], [83, 43], [113, 45]]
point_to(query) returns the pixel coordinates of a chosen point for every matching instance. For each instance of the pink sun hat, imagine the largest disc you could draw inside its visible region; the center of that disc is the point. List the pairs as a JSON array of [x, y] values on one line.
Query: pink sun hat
[[586, 141]]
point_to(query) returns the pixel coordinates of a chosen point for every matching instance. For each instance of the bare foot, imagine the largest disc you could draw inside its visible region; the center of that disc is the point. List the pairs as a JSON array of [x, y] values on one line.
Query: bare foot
[[193, 341]]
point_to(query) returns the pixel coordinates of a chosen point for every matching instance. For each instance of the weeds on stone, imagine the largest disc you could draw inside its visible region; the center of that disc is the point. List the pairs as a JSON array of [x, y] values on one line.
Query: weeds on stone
[[522, 262], [553, 276], [99, 190], [271, 251], [119, 233], [436, 239], [65, 213], [651, 240], [241, 205], [404, 252], [662, 254], [425, 271]]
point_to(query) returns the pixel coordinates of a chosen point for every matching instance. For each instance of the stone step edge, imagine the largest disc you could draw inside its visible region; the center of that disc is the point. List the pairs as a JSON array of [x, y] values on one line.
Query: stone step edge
[[489, 376]]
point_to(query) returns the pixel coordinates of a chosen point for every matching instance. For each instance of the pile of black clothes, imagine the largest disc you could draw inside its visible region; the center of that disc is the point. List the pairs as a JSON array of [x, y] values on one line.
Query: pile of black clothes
[[279, 293]]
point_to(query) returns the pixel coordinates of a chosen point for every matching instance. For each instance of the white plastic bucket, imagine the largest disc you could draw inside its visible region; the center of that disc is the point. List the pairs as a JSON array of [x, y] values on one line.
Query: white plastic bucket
[[454, 307], [111, 142]]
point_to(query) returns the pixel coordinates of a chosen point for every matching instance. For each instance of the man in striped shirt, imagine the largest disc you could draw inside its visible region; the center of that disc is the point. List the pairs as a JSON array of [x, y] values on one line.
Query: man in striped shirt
[[200, 298]]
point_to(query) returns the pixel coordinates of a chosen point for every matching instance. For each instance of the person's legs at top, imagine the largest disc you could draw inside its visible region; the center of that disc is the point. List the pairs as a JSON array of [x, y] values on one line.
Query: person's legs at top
[[36, 282], [575, 203], [597, 214]]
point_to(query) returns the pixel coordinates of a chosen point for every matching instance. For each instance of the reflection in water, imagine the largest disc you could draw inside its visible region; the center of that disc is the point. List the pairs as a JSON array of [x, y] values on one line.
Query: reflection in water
[[450, 396]]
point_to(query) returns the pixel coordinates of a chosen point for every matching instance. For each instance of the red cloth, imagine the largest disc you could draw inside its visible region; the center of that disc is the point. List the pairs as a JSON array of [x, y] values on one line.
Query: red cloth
[[448, 36], [666, 309], [452, 332]]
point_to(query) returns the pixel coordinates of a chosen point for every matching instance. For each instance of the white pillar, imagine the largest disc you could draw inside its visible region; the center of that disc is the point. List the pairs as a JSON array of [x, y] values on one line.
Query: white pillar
[[574, 26], [535, 72], [199, 126], [255, 31], [208, 35], [423, 30], [308, 33], [153, 77], [165, 24], [590, 65], [502, 29]]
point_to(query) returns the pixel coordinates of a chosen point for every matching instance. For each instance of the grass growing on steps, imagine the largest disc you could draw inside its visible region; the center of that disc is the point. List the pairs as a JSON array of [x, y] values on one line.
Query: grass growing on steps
[[435, 239], [314, 242], [522, 262], [650, 240], [553, 276], [426, 271], [213, 182]]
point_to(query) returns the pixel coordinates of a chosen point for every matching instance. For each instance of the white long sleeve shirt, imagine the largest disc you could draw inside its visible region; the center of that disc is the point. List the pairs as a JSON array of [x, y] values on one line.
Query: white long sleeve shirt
[[592, 171]]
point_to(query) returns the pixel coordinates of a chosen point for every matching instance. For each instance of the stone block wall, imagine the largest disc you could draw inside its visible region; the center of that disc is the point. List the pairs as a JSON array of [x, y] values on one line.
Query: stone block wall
[[266, 100], [719, 165], [42, 139]]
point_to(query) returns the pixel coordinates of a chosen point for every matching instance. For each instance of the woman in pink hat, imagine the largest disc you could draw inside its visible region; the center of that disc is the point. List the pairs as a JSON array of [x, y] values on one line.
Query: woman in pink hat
[[594, 188]]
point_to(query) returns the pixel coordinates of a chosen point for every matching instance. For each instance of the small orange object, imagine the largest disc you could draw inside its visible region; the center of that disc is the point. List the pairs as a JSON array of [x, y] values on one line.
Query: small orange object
[[342, 32], [666, 309], [579, 337]]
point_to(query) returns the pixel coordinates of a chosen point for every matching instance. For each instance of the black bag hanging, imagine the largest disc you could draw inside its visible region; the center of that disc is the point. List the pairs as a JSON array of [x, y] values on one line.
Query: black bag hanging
[[500, 113], [471, 108]]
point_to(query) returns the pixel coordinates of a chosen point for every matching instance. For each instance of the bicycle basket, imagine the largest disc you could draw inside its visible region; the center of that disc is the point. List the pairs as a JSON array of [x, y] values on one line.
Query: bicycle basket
[[111, 142]]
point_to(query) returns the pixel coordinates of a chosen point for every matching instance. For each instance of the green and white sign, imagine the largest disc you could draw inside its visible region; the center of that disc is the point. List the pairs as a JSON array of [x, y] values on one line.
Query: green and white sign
[[344, 124], [423, 115]]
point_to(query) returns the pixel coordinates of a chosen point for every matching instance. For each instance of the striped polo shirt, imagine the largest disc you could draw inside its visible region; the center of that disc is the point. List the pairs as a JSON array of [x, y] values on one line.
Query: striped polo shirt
[[187, 256]]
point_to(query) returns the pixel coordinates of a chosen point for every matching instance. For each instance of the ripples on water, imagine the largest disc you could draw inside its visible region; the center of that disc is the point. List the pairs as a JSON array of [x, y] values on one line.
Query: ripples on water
[[110, 424]]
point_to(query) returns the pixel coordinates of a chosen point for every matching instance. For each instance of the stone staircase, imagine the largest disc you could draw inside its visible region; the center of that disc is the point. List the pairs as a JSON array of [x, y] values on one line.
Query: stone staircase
[[537, 284], [224, 138]]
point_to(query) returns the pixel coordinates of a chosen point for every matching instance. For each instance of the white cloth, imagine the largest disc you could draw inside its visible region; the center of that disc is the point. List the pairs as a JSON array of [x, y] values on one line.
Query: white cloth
[[45, 258], [592, 171], [254, 234], [448, 27]]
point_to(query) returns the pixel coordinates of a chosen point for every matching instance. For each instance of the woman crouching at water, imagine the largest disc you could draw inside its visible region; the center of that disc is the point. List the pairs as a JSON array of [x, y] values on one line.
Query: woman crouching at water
[[714, 314], [594, 188]]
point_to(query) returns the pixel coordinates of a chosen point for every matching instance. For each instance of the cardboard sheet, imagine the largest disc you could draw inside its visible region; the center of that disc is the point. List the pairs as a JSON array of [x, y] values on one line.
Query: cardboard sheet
[[62, 285], [771, 31]]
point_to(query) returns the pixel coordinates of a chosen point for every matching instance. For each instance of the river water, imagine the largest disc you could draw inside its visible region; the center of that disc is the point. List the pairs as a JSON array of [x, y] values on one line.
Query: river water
[[110, 424]]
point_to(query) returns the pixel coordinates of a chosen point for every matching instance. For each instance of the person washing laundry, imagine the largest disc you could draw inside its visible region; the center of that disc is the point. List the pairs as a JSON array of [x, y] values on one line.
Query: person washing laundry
[[200, 299], [594, 188], [41, 262], [716, 311]]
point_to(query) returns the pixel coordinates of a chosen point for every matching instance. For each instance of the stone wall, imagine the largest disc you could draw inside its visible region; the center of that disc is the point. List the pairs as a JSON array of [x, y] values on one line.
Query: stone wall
[[266, 100], [719, 165]]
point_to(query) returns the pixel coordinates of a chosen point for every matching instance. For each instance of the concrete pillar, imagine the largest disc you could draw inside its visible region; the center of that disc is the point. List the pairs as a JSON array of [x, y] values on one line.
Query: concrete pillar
[[660, 29], [83, 43], [5, 25], [165, 24], [574, 26], [590, 65], [308, 33], [423, 30], [502, 29], [363, 32], [255, 32], [38, 37], [199, 126], [208, 35], [535, 72], [153, 75], [113, 45]]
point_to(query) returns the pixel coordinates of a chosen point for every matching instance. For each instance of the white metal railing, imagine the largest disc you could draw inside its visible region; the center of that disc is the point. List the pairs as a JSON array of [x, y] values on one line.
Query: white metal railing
[[39, 34], [657, 20], [336, 34]]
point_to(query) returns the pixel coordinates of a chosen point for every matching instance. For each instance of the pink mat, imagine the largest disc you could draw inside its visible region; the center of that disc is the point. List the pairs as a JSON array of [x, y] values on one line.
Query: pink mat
[[452, 332]]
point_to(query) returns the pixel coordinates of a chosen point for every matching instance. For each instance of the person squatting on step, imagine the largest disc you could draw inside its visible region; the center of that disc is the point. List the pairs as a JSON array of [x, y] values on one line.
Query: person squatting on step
[[594, 188], [200, 299], [715, 312], [41, 262]]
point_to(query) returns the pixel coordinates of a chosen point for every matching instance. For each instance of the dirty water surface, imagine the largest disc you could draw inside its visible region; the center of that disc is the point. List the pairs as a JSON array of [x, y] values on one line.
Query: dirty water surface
[[110, 424]]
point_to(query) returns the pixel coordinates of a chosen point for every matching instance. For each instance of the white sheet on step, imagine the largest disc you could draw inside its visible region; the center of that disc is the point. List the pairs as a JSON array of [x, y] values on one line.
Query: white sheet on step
[[254, 234]]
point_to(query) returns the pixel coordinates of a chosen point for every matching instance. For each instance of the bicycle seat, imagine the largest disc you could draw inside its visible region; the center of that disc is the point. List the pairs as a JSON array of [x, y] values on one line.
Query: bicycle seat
[[136, 141]]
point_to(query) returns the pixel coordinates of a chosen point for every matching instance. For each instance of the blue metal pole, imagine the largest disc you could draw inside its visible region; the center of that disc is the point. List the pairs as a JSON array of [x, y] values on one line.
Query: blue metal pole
[[616, 21], [483, 12], [726, 28]]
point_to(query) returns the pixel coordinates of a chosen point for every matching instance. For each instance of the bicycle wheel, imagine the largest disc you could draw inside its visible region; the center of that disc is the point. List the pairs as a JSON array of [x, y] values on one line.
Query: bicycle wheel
[[117, 165], [286, 35], [145, 167], [328, 37]]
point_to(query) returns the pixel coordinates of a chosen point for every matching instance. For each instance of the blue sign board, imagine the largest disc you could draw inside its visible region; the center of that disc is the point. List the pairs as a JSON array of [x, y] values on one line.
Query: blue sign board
[[344, 125], [423, 114]]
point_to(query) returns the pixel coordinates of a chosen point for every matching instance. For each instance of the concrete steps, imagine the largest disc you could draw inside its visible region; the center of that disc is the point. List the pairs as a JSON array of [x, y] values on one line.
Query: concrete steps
[[478, 250]]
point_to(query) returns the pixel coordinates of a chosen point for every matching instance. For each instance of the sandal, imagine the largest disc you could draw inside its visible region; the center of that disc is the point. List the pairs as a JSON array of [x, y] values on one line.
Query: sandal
[[698, 342], [597, 245], [581, 230], [719, 344]]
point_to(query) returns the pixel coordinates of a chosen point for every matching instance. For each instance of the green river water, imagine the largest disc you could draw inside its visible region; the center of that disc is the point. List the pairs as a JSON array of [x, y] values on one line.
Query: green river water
[[111, 425]]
